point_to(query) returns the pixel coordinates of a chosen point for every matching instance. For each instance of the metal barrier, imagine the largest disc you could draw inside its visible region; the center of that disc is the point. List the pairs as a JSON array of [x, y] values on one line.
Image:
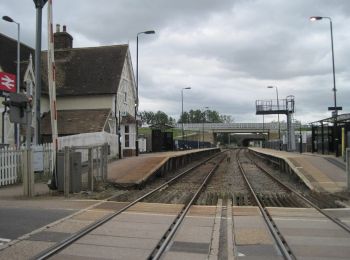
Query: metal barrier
[[96, 161]]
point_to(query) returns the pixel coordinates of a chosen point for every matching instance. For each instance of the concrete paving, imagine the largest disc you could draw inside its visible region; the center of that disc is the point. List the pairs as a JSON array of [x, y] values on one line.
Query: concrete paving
[[194, 238], [15, 191], [33, 225], [251, 235], [310, 235], [130, 235], [319, 172]]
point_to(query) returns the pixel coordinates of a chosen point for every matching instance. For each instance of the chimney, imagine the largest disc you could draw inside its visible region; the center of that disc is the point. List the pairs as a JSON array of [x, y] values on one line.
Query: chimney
[[62, 40]]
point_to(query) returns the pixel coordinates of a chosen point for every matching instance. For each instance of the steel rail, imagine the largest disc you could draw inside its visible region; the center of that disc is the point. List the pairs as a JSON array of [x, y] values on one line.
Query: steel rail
[[299, 195], [74, 237], [281, 246], [157, 252]]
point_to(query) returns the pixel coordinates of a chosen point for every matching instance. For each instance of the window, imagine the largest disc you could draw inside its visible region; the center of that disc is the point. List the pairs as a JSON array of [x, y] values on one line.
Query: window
[[127, 142]]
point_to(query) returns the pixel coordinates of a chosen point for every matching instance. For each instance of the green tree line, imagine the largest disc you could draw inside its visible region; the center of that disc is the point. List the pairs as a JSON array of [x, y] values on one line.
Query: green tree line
[[192, 116]]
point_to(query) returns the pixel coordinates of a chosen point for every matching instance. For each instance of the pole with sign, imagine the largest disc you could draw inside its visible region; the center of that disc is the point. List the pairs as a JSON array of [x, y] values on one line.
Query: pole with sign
[[7, 85], [8, 82]]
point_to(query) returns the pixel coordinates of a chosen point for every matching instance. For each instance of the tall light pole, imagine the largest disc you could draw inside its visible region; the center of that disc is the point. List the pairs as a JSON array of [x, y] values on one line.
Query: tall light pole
[[263, 130], [206, 108], [39, 5], [18, 80], [182, 111], [278, 115], [335, 108], [137, 86]]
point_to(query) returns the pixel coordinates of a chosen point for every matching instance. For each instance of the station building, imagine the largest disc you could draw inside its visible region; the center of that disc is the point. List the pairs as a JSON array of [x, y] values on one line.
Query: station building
[[95, 90]]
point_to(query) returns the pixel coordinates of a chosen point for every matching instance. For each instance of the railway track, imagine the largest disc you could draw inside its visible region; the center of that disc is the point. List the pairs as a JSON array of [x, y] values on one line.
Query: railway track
[[204, 170], [280, 241], [228, 184], [269, 190], [247, 166], [306, 200]]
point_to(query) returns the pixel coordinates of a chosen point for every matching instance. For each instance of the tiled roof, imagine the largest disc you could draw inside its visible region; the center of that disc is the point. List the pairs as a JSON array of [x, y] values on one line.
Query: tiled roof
[[76, 121], [86, 71]]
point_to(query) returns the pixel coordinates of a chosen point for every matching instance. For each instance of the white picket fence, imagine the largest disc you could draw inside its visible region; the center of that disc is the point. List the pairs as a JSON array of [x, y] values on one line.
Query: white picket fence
[[11, 162], [10, 166]]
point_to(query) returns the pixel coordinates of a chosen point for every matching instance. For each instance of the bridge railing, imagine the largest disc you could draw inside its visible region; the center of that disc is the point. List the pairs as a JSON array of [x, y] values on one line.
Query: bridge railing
[[234, 126]]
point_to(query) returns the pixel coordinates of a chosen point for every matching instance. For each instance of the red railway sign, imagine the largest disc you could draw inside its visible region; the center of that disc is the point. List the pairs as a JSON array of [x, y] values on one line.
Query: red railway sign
[[7, 82]]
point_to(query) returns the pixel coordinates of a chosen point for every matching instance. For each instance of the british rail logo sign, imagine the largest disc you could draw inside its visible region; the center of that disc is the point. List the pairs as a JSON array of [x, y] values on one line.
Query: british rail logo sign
[[7, 82]]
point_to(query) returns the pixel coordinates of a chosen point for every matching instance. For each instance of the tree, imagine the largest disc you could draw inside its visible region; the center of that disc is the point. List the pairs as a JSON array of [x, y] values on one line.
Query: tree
[[160, 118], [206, 116], [147, 117], [226, 119], [214, 117], [151, 118]]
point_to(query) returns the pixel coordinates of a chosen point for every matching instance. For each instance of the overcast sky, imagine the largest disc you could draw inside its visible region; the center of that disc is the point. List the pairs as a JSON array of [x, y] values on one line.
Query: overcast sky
[[227, 51]]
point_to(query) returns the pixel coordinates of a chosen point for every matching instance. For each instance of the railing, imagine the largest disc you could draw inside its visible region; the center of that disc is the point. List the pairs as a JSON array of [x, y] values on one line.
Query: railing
[[235, 126], [10, 166]]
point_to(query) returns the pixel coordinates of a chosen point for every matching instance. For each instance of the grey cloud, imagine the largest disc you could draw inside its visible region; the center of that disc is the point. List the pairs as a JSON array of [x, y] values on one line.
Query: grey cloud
[[228, 51]]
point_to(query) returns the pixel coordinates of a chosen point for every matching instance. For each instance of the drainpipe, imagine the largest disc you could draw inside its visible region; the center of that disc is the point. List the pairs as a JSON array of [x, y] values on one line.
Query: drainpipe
[[3, 124]]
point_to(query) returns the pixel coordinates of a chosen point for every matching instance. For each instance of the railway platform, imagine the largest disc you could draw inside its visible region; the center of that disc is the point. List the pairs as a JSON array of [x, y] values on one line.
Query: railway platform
[[135, 171], [319, 172]]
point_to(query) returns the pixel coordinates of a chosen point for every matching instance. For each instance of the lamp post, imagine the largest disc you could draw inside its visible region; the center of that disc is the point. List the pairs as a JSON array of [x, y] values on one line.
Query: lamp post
[[263, 144], [278, 115], [137, 86], [206, 108], [10, 20], [335, 108], [182, 111], [39, 5]]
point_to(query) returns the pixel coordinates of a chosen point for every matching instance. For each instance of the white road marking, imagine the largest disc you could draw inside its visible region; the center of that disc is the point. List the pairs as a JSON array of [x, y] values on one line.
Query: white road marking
[[4, 241]]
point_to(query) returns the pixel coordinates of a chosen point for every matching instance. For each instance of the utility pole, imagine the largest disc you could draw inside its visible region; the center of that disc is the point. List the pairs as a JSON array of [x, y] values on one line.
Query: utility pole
[[39, 4]]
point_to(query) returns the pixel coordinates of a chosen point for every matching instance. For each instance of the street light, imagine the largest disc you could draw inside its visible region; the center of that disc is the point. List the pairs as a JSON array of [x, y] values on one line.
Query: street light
[[335, 108], [39, 5], [278, 108], [206, 108], [315, 18], [10, 20], [182, 112], [137, 85]]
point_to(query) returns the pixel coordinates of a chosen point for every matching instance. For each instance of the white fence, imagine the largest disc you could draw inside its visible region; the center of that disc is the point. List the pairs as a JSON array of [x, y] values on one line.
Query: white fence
[[10, 166], [11, 162], [90, 139]]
